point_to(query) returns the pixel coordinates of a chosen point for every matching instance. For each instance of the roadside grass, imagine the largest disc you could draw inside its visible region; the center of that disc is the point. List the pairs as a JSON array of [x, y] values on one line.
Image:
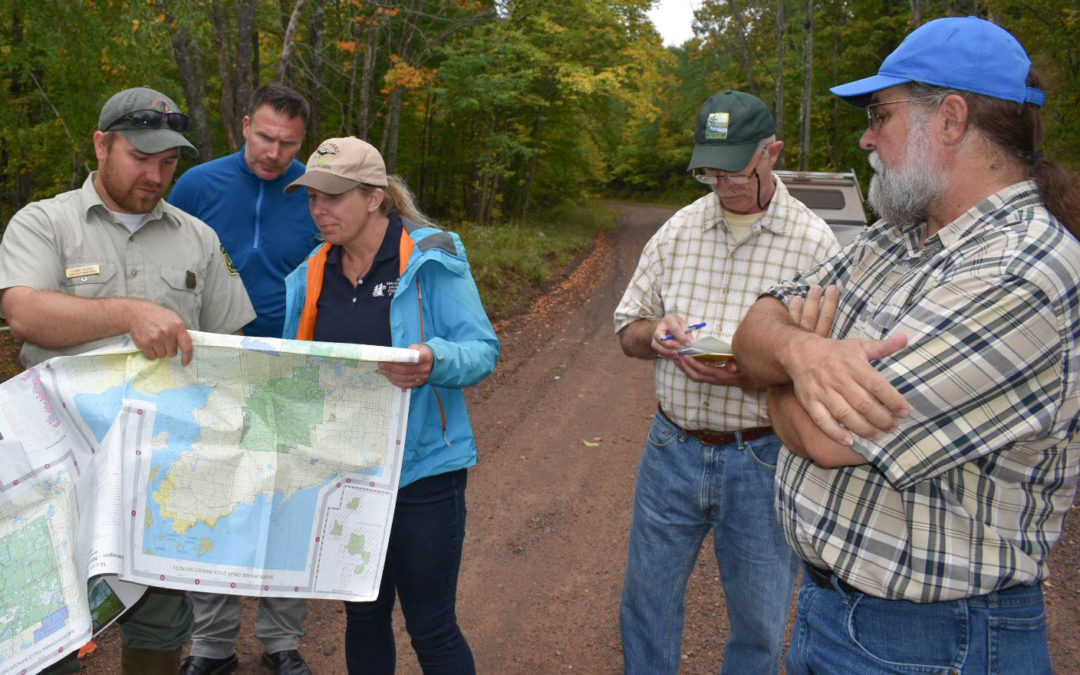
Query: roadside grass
[[512, 264], [9, 355]]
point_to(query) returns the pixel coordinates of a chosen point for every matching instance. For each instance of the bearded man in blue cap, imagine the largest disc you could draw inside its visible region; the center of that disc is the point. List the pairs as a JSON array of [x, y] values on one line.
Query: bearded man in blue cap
[[930, 426]]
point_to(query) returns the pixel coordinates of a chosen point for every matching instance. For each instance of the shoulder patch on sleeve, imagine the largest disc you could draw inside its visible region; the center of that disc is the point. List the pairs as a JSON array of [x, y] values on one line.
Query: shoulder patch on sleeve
[[228, 261], [440, 240]]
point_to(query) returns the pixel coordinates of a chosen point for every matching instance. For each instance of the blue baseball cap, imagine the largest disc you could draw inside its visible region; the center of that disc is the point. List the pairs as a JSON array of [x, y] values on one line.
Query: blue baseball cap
[[963, 53]]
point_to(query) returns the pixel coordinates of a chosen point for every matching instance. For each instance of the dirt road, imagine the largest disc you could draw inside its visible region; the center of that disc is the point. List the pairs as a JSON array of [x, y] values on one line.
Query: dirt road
[[560, 427]]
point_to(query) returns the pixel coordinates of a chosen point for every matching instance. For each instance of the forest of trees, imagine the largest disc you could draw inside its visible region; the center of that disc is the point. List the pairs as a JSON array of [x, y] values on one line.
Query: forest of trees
[[491, 109]]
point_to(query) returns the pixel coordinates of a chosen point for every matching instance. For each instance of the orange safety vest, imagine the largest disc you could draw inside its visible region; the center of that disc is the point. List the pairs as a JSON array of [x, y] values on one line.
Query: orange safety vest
[[315, 271]]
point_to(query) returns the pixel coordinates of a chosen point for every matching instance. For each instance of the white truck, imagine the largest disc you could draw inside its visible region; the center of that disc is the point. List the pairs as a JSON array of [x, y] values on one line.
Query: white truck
[[835, 196]]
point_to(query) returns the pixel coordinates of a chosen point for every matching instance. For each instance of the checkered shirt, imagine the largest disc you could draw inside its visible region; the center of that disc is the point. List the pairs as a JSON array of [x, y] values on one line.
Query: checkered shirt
[[969, 494], [694, 268]]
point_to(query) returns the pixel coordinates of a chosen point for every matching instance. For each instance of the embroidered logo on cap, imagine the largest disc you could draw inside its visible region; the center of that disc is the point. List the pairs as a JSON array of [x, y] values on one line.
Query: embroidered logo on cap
[[161, 105], [716, 127], [324, 155]]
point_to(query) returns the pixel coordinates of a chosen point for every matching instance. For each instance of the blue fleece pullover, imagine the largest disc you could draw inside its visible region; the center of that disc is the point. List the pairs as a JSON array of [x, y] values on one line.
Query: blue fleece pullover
[[266, 232]]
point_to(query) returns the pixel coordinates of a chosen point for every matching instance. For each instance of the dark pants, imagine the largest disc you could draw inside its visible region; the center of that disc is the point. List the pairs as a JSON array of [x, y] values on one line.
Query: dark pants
[[422, 565]]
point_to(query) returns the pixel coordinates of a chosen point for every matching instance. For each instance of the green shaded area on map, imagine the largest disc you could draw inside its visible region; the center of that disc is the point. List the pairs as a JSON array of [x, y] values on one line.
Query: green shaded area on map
[[337, 529], [298, 398], [357, 547], [30, 587]]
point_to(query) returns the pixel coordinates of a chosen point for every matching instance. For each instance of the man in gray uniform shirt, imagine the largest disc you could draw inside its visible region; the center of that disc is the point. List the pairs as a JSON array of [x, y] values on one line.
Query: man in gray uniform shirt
[[112, 258]]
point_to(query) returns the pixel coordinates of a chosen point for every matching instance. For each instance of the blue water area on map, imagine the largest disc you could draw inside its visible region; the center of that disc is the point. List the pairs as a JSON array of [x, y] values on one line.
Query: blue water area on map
[[254, 343], [99, 410], [52, 623], [235, 538]]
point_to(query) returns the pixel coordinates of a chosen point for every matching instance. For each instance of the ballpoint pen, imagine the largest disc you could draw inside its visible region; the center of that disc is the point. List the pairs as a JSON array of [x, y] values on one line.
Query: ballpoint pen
[[693, 326]]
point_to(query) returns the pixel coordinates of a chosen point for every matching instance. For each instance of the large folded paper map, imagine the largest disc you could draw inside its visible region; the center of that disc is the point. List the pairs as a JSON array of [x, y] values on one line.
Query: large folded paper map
[[264, 467]]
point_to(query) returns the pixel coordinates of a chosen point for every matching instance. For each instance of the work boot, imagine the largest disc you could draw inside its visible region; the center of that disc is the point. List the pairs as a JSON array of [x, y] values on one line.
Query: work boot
[[205, 665], [288, 662], [149, 661]]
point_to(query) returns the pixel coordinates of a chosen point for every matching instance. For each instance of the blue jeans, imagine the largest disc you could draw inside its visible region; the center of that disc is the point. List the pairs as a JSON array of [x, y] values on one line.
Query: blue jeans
[[840, 630], [422, 565], [684, 489]]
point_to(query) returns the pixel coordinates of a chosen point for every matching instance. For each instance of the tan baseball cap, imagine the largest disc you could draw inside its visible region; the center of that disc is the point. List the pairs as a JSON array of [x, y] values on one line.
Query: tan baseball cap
[[340, 164]]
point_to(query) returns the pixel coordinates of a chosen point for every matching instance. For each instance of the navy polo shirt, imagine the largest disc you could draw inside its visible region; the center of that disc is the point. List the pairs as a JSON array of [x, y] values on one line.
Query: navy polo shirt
[[361, 313]]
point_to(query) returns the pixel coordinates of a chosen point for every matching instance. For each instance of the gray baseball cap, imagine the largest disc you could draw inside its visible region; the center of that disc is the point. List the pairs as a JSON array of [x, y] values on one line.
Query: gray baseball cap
[[149, 133]]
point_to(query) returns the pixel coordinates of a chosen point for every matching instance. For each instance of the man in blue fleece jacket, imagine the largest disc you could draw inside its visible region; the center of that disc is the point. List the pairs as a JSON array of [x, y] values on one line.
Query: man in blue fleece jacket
[[267, 233]]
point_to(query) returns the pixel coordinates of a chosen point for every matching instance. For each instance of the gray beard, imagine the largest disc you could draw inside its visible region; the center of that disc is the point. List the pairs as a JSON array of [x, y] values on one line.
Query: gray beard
[[903, 195]]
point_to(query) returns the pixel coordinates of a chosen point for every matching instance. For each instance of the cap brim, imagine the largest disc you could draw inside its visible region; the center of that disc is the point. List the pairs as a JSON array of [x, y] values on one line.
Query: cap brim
[[324, 182], [859, 92], [723, 157], [153, 141]]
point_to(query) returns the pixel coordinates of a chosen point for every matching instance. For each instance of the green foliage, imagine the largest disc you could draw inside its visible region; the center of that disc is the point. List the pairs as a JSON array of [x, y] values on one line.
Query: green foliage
[[491, 110], [512, 261]]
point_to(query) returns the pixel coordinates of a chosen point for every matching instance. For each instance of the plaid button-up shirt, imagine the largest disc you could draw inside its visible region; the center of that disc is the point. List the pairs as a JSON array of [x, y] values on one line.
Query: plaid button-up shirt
[[969, 494], [694, 268]]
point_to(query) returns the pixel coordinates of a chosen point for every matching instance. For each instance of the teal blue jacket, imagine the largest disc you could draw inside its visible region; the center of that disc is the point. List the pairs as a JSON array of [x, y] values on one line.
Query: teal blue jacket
[[436, 280]]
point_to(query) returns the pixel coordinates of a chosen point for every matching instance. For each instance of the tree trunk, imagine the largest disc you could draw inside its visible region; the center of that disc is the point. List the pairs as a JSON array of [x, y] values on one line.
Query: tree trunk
[[235, 44], [188, 60], [314, 79], [426, 150], [393, 111], [390, 130], [781, 30], [222, 44], [245, 45], [808, 85], [367, 79], [288, 43], [13, 163], [744, 54], [534, 161]]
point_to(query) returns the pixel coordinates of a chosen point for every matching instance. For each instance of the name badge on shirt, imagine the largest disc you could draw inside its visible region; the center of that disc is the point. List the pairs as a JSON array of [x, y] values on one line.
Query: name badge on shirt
[[82, 271]]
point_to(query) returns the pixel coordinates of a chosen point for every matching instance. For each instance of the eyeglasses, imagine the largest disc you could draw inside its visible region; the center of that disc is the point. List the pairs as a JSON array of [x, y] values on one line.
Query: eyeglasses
[[152, 119], [873, 120], [731, 179]]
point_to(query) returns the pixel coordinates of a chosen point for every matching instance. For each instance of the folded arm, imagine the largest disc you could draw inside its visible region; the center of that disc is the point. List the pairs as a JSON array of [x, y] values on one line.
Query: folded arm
[[833, 380]]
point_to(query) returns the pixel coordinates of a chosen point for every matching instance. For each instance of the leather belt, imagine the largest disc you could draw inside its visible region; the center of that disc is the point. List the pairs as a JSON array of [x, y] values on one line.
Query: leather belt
[[824, 579], [720, 437]]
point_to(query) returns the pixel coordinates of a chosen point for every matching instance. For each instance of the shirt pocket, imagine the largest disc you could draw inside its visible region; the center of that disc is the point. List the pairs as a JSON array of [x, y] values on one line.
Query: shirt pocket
[[893, 300], [100, 284], [181, 291]]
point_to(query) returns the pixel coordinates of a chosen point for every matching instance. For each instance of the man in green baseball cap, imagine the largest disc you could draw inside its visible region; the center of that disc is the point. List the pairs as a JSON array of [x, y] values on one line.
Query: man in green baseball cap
[[711, 435], [110, 259]]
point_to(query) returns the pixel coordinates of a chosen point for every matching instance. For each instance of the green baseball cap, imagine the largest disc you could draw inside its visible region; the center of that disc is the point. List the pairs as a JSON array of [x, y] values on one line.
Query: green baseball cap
[[730, 127], [131, 112]]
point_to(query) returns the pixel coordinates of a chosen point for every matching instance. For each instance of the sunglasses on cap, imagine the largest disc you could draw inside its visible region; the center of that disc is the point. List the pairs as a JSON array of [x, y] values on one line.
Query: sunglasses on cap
[[152, 119]]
